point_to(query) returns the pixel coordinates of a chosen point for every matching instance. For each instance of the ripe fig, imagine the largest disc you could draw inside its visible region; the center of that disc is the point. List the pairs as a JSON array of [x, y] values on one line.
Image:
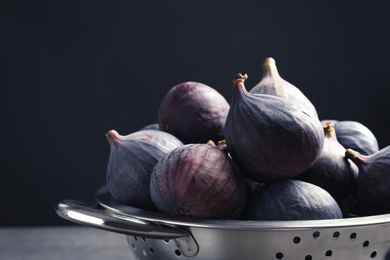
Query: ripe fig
[[272, 83], [333, 172], [153, 126], [198, 180], [356, 136], [373, 183], [269, 137], [193, 112], [291, 200], [131, 161]]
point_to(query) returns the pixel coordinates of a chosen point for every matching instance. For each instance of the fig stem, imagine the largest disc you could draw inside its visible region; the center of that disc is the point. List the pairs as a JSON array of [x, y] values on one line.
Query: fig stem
[[329, 127], [351, 154], [269, 67], [268, 61], [211, 142], [113, 136], [222, 142], [240, 78]]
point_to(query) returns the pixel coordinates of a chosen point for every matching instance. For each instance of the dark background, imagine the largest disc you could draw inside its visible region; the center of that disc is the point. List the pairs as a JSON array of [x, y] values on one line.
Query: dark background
[[72, 70]]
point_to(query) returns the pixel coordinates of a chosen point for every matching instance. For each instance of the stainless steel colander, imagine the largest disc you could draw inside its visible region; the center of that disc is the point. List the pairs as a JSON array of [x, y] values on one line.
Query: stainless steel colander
[[154, 235]]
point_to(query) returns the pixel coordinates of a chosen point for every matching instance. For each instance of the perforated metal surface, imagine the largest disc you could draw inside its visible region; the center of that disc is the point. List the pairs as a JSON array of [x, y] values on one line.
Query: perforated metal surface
[[333, 243]]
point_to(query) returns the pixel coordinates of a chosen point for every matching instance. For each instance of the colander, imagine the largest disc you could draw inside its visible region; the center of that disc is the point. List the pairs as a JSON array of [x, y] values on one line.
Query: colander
[[153, 235]]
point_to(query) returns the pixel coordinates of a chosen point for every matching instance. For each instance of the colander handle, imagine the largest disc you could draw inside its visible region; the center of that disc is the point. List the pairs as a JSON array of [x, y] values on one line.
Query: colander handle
[[93, 215]]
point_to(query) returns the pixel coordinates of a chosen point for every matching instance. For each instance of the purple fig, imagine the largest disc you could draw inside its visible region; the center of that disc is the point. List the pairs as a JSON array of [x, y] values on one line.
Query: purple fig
[[373, 183], [333, 172], [269, 137], [153, 126], [356, 136], [291, 200], [198, 180], [272, 83], [131, 162], [194, 113]]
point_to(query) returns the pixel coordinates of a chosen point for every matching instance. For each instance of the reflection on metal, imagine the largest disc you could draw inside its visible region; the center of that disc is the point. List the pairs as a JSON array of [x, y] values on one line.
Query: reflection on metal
[[84, 218]]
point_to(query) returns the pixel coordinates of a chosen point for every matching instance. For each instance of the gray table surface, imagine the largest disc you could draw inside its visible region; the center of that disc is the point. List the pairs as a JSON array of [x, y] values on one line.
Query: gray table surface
[[62, 242]]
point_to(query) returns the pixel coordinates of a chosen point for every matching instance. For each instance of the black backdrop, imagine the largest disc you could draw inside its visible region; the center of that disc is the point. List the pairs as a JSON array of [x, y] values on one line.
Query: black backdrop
[[72, 70]]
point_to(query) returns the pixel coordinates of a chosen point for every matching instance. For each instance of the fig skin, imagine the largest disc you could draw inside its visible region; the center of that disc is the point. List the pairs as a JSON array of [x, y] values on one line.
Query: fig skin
[[269, 137], [373, 184], [291, 200], [272, 83], [333, 172], [153, 126], [131, 161], [355, 135], [198, 180], [193, 112]]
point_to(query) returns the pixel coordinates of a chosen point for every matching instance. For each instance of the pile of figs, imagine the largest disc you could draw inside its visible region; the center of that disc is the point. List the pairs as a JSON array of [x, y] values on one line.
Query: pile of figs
[[266, 155]]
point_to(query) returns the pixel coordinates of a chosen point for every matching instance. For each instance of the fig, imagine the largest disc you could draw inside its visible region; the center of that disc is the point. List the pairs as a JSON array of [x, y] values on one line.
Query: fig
[[131, 161], [198, 180], [356, 136], [153, 126], [269, 137], [373, 183], [272, 83], [333, 172], [291, 200], [193, 112]]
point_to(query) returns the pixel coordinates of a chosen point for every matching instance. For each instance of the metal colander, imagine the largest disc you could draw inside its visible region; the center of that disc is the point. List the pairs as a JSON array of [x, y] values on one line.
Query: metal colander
[[152, 235]]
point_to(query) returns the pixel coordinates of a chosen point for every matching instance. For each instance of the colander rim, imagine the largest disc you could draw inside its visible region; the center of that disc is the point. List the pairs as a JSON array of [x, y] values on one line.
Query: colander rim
[[104, 199]]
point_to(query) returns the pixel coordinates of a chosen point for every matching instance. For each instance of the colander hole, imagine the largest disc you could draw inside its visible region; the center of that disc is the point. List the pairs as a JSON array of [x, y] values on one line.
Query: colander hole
[[143, 239], [328, 253], [353, 236], [336, 235], [177, 252], [279, 255], [297, 240], [373, 254], [133, 246], [166, 240], [366, 243], [152, 251], [135, 238], [316, 234], [308, 257]]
